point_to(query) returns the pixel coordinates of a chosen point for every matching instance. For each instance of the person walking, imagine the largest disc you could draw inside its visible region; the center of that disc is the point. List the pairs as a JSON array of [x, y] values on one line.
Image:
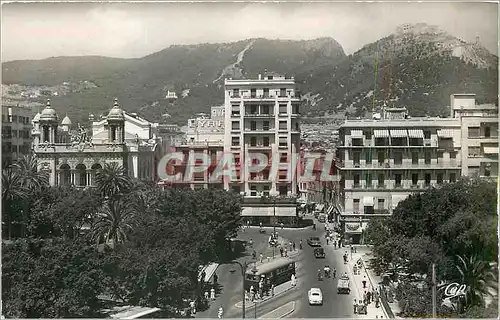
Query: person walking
[[300, 244], [212, 294], [334, 273], [282, 226], [377, 299], [327, 240], [355, 306], [369, 296], [365, 297], [286, 253], [215, 278], [281, 251], [272, 290], [192, 305], [364, 282], [206, 295], [220, 312], [261, 258], [293, 245]]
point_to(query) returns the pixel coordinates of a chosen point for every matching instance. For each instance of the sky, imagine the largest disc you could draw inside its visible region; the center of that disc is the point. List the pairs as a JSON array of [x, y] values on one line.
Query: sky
[[131, 30]]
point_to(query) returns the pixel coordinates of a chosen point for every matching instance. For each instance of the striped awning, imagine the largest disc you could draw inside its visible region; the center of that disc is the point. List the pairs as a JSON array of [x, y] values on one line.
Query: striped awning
[[381, 133], [399, 133], [418, 134], [445, 133], [490, 150], [269, 211], [356, 133]]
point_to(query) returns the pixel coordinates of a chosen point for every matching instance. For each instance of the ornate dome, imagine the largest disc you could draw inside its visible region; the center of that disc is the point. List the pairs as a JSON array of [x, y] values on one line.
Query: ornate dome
[[66, 121], [36, 118], [116, 113], [48, 114]]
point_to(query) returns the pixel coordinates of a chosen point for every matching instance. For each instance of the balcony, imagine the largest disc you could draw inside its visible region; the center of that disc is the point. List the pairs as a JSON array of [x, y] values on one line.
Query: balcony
[[259, 147], [264, 200], [259, 130], [259, 115]]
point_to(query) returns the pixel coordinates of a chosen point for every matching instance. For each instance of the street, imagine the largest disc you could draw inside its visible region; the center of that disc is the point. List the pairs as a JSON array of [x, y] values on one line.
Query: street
[[334, 306]]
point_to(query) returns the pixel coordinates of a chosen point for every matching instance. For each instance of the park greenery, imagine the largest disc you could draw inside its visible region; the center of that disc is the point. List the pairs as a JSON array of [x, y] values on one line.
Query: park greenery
[[455, 227], [65, 248]]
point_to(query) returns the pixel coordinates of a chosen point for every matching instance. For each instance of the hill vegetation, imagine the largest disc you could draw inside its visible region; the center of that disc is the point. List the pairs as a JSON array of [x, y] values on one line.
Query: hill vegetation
[[419, 72]]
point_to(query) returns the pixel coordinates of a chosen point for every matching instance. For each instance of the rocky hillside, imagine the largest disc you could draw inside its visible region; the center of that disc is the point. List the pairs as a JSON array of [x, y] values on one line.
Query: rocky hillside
[[418, 66], [196, 73]]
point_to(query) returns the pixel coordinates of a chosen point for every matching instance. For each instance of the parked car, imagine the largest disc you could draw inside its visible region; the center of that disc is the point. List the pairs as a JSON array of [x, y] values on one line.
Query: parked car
[[322, 218], [315, 296], [319, 252], [314, 242]]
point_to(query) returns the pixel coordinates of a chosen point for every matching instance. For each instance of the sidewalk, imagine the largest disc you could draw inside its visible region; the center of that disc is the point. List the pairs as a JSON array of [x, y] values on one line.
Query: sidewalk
[[371, 311], [209, 271], [280, 312], [365, 254]]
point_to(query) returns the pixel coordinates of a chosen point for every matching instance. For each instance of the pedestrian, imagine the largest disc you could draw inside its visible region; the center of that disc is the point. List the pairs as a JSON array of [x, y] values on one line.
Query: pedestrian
[[293, 246], [261, 258], [364, 282], [203, 276], [252, 292], [339, 243], [212, 294], [260, 224], [220, 313], [281, 251], [250, 243], [377, 299], [206, 295], [355, 306], [334, 244], [193, 307], [282, 226], [327, 241], [286, 253], [290, 245], [248, 224], [365, 297], [272, 290], [369, 296], [254, 255], [247, 296], [300, 244], [293, 280], [334, 273], [355, 268], [215, 278]]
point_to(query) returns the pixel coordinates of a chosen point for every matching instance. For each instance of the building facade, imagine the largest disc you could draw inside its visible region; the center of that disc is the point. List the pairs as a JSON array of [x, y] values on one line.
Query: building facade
[[16, 133], [383, 161], [262, 116], [73, 156]]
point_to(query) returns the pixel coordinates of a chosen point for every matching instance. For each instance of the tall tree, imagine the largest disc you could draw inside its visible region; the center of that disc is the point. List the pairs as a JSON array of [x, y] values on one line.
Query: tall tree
[[112, 180]]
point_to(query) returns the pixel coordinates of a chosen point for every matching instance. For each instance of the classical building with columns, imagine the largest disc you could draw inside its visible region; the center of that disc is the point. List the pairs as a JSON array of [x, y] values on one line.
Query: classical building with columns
[[72, 156]]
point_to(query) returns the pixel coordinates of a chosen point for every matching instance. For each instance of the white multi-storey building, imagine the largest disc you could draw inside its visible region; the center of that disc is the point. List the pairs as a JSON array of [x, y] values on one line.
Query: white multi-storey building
[[382, 161], [262, 116]]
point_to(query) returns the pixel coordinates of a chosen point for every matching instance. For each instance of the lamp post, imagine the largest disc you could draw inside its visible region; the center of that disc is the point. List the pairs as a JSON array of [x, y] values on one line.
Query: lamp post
[[243, 268]]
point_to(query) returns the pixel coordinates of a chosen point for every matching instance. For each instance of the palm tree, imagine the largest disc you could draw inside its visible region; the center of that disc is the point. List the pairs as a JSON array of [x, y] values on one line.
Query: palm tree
[[12, 190], [114, 222], [478, 276], [112, 180]]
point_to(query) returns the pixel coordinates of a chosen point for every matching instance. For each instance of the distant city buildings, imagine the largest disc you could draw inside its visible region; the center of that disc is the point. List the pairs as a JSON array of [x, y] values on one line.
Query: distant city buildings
[[382, 161], [16, 133]]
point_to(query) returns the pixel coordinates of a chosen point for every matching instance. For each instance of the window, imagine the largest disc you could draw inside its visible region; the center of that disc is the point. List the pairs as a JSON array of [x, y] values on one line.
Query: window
[[414, 158], [368, 157], [265, 109], [440, 154], [265, 125], [283, 142], [253, 125], [355, 205], [356, 180], [487, 132], [266, 141], [427, 179], [266, 92], [235, 141], [284, 158], [295, 109], [283, 92], [235, 110], [253, 141], [283, 125], [236, 125], [381, 204], [283, 109], [474, 132], [439, 178], [283, 190], [453, 154], [253, 191], [427, 158], [381, 157], [237, 158], [453, 177], [381, 180], [398, 157], [236, 92], [398, 178], [414, 179], [355, 156], [368, 180], [427, 134], [253, 109], [266, 191], [253, 93], [474, 152], [368, 135]]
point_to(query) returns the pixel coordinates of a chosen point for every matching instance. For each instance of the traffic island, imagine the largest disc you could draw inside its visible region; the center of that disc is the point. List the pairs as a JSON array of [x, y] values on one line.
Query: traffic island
[[280, 312], [278, 290]]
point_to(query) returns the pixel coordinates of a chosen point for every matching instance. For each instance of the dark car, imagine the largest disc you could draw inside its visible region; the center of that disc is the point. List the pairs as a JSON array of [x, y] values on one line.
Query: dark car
[[319, 252], [314, 242]]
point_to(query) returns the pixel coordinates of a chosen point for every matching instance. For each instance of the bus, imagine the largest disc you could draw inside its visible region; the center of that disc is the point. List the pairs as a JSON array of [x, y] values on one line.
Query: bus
[[275, 272]]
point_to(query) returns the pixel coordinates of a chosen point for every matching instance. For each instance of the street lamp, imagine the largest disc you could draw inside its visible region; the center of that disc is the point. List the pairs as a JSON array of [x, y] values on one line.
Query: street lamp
[[243, 268], [273, 195]]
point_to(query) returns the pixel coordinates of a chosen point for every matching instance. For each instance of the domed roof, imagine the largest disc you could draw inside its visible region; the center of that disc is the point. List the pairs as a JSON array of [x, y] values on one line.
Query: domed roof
[[66, 121], [48, 114], [36, 118], [116, 113]]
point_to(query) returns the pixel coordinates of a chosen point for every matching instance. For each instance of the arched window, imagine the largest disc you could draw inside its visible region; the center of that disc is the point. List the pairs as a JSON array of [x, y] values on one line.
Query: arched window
[[64, 175], [81, 175]]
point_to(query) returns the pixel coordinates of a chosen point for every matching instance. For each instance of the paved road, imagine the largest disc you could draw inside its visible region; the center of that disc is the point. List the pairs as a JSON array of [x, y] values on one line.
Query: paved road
[[335, 305]]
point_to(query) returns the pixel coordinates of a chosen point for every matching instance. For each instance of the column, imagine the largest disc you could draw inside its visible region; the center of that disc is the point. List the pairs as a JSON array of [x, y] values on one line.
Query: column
[[73, 177], [89, 178]]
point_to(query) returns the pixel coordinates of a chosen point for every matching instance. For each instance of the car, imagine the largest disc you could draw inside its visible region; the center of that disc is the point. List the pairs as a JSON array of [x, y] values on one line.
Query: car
[[322, 218], [315, 296], [319, 252], [343, 285], [314, 242]]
